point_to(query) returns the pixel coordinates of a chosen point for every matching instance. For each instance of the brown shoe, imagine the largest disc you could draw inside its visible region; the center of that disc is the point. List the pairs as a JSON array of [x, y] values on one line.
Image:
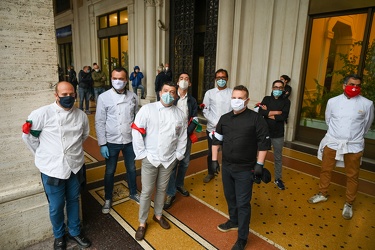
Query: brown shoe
[[162, 222], [141, 231]]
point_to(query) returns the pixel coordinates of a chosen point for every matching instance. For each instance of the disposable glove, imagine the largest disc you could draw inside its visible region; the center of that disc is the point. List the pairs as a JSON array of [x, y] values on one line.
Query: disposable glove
[[215, 167], [258, 169], [104, 151]]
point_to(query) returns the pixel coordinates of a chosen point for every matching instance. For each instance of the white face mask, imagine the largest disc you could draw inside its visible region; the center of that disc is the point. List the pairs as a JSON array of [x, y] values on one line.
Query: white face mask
[[237, 104], [118, 84], [183, 84]]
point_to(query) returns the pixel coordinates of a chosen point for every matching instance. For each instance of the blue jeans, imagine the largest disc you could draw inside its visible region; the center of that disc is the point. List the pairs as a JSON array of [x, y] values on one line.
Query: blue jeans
[[177, 180], [141, 88], [111, 164], [84, 93], [66, 190], [97, 92], [238, 187]]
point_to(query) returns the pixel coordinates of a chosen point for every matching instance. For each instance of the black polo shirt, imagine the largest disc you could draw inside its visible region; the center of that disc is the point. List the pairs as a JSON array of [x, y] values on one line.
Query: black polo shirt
[[244, 134]]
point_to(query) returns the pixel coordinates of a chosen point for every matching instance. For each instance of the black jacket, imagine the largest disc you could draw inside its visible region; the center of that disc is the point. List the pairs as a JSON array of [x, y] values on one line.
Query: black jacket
[[244, 134], [193, 111], [160, 79], [276, 127], [85, 79]]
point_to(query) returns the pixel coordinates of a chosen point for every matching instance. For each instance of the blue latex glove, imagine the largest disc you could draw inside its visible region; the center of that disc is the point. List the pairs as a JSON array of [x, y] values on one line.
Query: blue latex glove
[[104, 151]]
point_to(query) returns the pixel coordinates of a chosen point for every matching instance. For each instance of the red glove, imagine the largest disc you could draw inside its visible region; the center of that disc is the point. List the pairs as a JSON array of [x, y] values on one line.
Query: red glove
[[201, 106], [27, 127]]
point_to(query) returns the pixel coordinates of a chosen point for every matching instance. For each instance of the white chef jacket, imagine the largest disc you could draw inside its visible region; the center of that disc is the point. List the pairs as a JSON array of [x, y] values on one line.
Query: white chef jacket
[[166, 134], [348, 121], [182, 104], [114, 115], [58, 149], [217, 103]]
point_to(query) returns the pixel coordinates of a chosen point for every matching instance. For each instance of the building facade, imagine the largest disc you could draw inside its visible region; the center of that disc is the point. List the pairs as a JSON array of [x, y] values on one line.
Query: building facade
[[314, 42]]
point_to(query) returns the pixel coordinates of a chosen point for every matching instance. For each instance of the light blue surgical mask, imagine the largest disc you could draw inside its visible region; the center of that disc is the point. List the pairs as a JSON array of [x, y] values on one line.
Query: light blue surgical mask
[[221, 83], [277, 92], [167, 98]]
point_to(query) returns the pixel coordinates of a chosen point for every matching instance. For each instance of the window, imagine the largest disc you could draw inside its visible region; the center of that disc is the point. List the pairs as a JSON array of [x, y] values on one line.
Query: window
[[338, 45], [113, 41], [61, 6], [113, 19]]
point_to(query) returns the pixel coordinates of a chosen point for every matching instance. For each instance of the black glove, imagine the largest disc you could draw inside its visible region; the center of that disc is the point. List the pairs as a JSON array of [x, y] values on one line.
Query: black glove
[[258, 169], [215, 167]]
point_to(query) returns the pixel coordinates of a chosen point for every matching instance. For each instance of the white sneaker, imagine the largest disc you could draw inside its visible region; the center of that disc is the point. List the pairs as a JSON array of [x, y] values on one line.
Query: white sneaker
[[317, 198], [107, 206], [134, 197], [347, 211]]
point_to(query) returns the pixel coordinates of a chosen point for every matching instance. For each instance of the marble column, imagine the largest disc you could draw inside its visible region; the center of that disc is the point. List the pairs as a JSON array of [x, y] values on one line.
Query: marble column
[[150, 48], [225, 35]]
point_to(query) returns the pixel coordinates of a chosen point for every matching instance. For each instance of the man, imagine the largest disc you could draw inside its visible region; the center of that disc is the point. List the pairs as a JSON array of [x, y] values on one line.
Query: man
[[72, 75], [216, 102], [287, 89], [168, 71], [160, 79], [136, 78], [159, 140], [244, 137], [55, 134], [349, 116], [84, 88], [275, 110], [189, 106], [99, 79], [115, 112]]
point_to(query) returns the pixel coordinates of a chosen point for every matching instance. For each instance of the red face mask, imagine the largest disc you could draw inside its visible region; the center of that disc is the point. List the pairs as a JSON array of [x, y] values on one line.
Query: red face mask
[[352, 91]]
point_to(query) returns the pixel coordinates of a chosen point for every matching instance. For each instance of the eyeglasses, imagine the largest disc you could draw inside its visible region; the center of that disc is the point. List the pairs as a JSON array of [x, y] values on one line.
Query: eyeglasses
[[278, 87]]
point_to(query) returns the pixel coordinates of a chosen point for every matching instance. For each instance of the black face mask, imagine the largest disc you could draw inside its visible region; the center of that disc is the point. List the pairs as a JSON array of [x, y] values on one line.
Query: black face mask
[[67, 101]]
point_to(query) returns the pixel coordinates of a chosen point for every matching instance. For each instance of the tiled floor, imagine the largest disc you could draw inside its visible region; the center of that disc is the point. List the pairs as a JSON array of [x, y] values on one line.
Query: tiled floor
[[280, 219]]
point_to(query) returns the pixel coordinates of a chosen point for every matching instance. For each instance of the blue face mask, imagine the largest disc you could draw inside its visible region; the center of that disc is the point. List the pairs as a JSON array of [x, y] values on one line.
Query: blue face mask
[[167, 98], [67, 101], [221, 83], [277, 92]]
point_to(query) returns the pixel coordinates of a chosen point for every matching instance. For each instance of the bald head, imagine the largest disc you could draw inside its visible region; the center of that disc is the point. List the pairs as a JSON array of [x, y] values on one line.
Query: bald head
[[64, 89]]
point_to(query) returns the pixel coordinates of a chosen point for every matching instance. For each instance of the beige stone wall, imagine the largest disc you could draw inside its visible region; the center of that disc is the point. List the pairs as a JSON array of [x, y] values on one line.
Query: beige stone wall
[[28, 69], [261, 40]]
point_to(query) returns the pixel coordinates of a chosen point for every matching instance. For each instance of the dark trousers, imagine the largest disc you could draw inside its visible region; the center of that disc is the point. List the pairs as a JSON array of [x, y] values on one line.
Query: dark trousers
[[209, 156], [238, 187]]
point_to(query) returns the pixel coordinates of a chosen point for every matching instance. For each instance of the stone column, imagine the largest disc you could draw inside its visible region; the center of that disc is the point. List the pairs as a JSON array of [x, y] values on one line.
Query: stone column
[[131, 36], [28, 72], [150, 48], [225, 35]]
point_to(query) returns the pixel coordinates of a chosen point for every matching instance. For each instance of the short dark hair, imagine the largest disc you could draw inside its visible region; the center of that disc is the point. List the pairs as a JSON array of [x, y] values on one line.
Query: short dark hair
[[184, 72], [169, 83], [242, 88], [222, 70], [119, 69], [354, 76], [277, 81], [286, 78]]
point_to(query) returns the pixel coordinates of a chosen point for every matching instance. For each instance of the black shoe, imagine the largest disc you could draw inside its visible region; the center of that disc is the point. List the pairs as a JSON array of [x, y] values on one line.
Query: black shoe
[[240, 245], [169, 201], [59, 244], [183, 191], [81, 240]]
